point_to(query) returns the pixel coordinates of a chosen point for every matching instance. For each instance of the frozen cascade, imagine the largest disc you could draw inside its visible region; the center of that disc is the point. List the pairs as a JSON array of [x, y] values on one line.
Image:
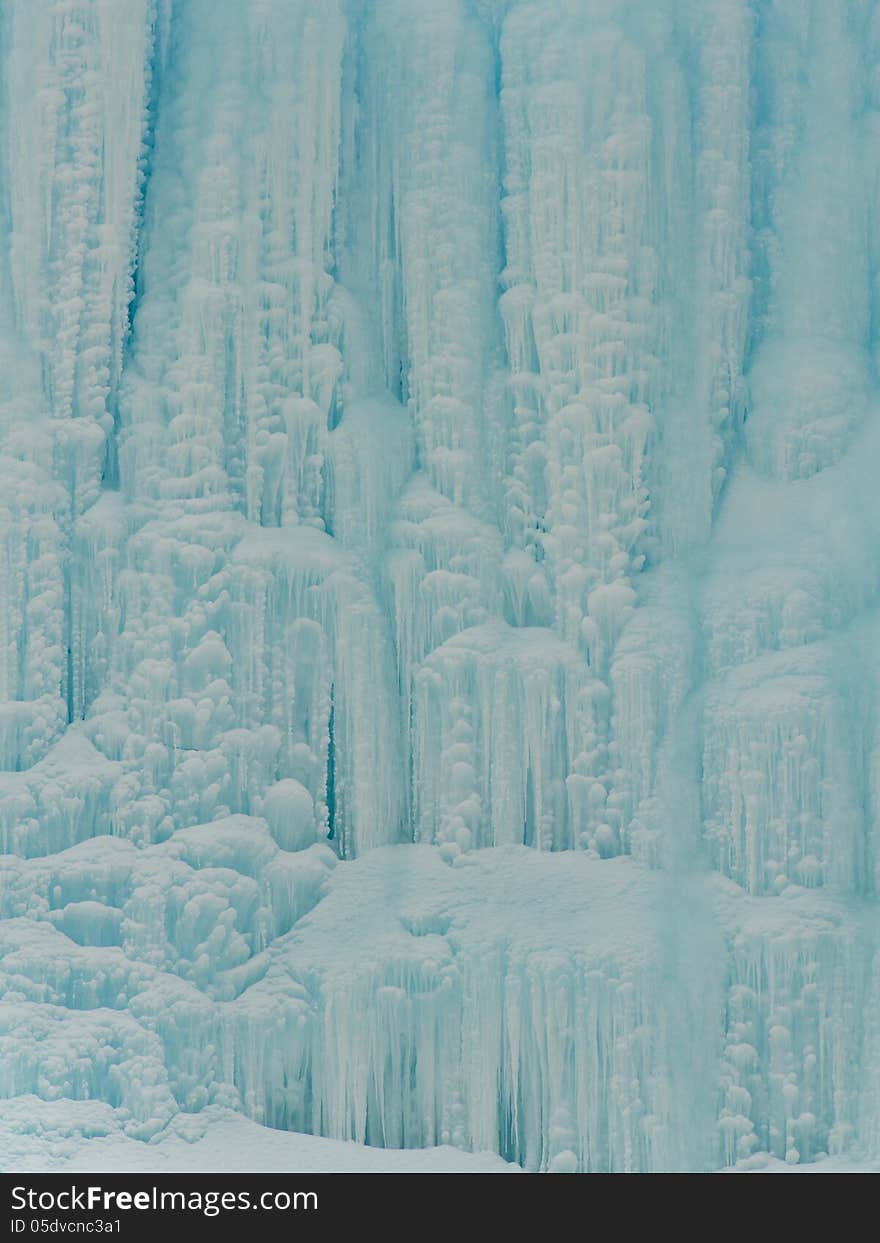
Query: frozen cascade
[[439, 576]]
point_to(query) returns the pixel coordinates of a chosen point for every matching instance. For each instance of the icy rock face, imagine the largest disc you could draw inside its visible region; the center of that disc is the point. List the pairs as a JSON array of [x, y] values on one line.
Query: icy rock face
[[498, 711], [440, 439]]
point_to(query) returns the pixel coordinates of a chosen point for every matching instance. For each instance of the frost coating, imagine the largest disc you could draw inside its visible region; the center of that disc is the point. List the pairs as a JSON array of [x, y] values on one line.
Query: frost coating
[[439, 440]]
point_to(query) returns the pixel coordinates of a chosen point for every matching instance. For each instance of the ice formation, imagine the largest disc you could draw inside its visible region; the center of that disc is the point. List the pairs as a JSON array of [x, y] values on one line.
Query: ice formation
[[438, 603]]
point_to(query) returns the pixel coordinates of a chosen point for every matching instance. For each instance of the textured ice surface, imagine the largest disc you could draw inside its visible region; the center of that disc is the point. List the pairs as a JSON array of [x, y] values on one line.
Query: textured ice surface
[[438, 583]]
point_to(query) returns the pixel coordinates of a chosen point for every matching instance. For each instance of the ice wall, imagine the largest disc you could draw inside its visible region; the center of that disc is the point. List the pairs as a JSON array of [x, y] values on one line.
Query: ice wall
[[439, 439]]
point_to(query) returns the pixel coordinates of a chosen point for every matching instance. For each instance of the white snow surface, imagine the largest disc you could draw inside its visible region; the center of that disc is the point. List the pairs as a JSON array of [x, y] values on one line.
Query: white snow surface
[[84, 1137], [439, 584]]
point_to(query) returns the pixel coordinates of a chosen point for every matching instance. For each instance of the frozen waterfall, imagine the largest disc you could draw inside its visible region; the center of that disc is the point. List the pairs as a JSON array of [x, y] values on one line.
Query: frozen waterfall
[[439, 576]]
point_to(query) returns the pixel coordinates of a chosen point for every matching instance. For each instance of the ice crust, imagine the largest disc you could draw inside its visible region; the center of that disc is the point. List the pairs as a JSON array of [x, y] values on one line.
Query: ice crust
[[438, 583]]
